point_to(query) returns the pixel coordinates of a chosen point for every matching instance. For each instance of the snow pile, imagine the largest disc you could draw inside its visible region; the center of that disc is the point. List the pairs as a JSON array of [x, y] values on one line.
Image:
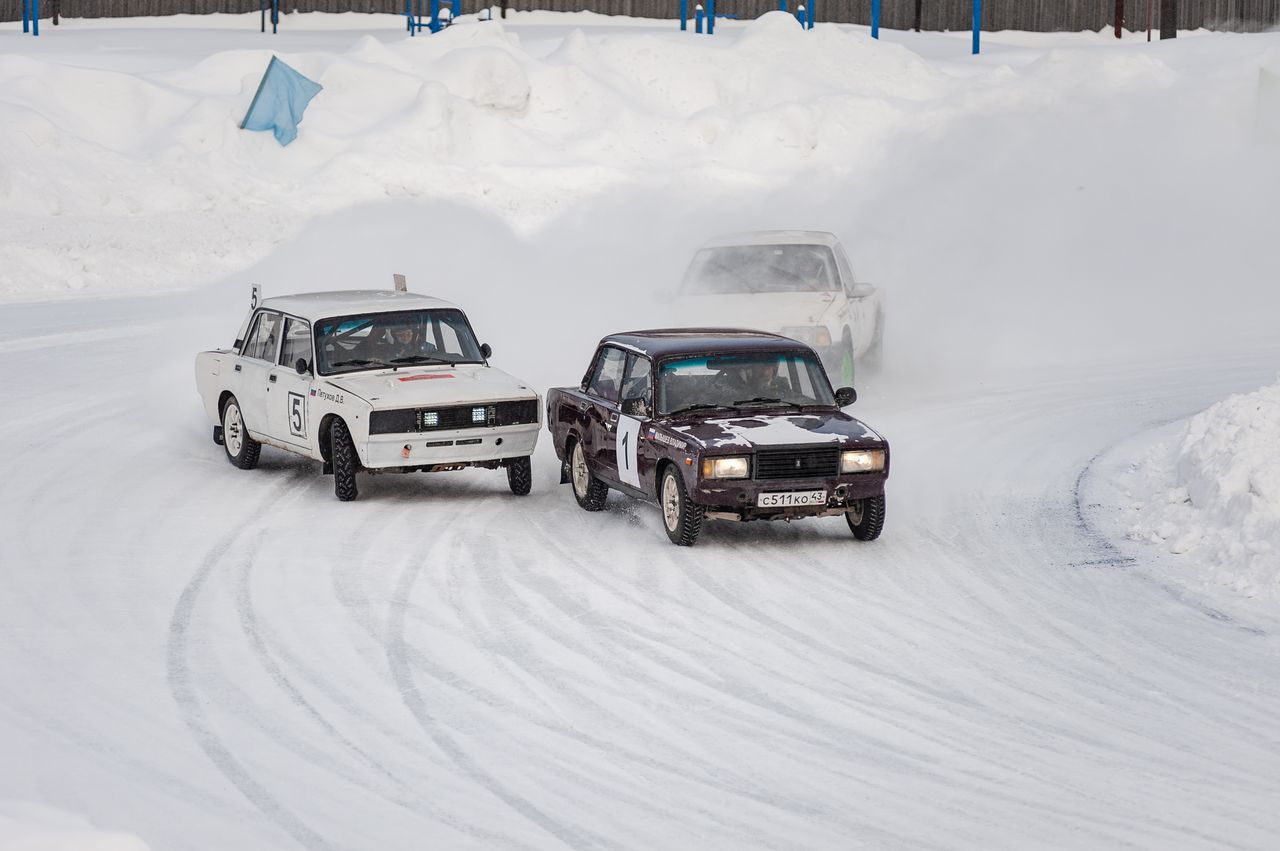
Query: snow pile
[[150, 165], [1214, 495], [35, 827]]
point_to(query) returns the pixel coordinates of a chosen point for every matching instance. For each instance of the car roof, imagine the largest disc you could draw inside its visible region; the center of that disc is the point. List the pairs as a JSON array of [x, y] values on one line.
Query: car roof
[[664, 342], [774, 237], [312, 306]]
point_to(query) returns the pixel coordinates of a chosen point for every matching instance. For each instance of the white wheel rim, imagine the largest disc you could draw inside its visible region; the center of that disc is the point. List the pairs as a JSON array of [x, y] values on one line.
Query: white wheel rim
[[232, 430], [670, 502], [581, 478], [855, 513]]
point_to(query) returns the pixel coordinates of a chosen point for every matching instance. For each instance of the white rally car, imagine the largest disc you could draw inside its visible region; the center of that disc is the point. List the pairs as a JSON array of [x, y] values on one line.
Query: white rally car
[[795, 283], [381, 381]]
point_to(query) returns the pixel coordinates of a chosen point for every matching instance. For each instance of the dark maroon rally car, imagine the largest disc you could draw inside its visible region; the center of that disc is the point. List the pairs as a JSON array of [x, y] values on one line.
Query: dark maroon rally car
[[717, 423]]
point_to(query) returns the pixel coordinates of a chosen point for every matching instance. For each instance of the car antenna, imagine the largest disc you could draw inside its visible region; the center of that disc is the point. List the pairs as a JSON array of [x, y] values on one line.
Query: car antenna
[[402, 286]]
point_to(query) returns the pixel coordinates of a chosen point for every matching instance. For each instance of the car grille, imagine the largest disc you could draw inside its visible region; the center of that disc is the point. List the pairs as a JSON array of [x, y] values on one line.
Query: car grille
[[405, 420], [797, 463]]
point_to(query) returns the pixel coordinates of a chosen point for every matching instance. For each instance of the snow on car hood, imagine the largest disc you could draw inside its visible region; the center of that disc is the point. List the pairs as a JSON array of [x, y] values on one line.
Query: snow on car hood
[[417, 387], [779, 430], [763, 311]]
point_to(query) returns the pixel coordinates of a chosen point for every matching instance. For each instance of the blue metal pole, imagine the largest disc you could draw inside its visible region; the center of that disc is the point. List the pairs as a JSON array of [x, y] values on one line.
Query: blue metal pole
[[684, 15], [875, 18], [977, 26], [800, 13], [435, 16], [697, 18], [808, 14], [711, 17], [26, 16], [35, 17], [782, 5], [275, 15]]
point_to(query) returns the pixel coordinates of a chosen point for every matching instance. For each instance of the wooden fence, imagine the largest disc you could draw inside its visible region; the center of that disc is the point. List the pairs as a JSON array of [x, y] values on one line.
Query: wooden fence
[[1033, 15]]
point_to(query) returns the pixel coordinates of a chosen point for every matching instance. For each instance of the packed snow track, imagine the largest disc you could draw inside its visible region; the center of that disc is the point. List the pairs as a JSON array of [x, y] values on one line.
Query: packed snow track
[[203, 656]]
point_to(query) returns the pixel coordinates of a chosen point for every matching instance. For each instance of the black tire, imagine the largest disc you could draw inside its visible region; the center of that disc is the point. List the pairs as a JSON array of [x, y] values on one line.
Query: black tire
[[242, 450], [681, 516], [520, 475], [874, 358], [866, 520], [589, 491], [345, 462]]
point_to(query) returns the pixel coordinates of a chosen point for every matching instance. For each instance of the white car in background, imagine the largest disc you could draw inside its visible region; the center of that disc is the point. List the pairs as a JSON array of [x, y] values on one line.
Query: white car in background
[[795, 283], [381, 381]]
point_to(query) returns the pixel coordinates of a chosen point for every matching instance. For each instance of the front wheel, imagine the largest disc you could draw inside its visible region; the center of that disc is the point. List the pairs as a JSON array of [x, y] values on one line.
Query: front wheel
[[589, 491], [345, 461], [242, 450], [520, 475], [866, 517], [681, 516]]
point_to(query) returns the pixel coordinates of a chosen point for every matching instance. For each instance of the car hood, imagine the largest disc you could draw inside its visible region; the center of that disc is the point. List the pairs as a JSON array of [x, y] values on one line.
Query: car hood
[[417, 387], [765, 311], [753, 431]]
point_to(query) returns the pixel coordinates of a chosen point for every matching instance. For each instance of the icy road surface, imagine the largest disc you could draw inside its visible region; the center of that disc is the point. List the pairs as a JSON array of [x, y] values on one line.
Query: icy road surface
[[1077, 240], [205, 657]]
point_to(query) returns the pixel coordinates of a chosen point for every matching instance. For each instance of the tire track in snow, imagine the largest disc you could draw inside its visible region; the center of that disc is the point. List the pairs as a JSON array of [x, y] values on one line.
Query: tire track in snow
[[399, 661], [186, 693]]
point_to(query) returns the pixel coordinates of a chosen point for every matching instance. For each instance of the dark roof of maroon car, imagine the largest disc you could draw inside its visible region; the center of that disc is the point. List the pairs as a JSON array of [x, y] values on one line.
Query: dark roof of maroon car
[[661, 342]]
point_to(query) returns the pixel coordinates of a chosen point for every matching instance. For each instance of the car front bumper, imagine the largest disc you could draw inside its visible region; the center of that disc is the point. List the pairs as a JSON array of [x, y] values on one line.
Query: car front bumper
[[736, 498], [443, 448]]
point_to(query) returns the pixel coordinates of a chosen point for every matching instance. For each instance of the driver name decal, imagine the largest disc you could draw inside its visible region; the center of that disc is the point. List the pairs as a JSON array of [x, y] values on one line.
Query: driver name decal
[[427, 377]]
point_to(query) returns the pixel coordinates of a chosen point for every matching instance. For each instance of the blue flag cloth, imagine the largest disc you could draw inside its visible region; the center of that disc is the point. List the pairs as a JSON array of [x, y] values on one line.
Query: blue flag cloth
[[282, 97]]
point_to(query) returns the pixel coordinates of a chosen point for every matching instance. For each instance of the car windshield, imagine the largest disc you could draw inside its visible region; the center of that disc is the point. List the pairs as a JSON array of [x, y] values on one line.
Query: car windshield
[[742, 380], [402, 338], [762, 269]]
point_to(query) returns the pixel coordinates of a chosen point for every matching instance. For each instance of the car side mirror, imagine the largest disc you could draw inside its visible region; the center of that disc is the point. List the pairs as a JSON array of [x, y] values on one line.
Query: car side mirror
[[846, 396], [486, 351], [302, 366], [861, 289], [636, 407]]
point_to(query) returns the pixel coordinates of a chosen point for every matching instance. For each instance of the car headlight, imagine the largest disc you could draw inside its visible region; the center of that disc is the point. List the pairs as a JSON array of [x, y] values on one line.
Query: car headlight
[[725, 468], [862, 460]]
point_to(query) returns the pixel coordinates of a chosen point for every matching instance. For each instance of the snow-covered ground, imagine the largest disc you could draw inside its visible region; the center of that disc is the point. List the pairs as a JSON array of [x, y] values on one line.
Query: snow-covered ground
[[1077, 240]]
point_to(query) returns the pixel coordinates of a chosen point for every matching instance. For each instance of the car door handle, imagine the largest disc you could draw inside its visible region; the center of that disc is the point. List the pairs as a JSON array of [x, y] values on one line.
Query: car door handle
[[272, 379], [237, 367]]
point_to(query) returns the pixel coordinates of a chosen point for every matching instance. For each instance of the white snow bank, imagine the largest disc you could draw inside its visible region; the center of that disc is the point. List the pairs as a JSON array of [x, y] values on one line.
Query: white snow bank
[[1212, 493], [35, 827], [125, 179]]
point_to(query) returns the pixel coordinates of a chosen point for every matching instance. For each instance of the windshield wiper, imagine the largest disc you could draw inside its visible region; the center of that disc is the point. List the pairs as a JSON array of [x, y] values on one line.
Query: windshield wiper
[[765, 400], [701, 406], [360, 362], [423, 359]]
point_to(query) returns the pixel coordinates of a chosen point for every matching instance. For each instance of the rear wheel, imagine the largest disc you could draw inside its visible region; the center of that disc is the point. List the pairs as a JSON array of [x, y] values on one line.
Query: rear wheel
[[589, 491], [242, 450], [874, 358], [345, 461], [866, 517], [520, 475], [681, 517]]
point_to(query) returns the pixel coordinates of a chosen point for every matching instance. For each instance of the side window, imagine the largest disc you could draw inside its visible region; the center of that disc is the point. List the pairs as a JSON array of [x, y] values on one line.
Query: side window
[[297, 342], [638, 383], [606, 380], [264, 337]]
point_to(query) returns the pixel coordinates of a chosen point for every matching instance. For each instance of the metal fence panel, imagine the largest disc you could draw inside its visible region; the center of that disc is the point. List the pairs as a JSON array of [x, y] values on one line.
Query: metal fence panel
[[1033, 15]]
